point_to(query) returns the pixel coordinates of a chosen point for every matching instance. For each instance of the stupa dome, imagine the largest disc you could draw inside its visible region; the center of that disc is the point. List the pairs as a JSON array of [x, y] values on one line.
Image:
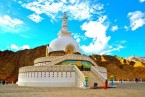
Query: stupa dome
[[61, 43]]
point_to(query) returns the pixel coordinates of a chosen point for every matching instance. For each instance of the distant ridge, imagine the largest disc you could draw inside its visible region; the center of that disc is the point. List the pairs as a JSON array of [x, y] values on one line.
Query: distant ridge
[[136, 58]]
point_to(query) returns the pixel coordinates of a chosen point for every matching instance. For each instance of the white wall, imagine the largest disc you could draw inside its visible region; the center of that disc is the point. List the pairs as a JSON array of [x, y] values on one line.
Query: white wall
[[50, 79]]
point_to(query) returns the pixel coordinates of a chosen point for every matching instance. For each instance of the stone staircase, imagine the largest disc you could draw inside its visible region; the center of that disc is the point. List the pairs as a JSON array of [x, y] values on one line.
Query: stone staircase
[[93, 78], [80, 78]]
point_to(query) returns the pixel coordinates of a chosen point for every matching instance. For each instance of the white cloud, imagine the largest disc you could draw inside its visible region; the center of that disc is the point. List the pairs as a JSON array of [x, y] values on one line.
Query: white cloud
[[14, 47], [52, 8], [20, 2], [123, 41], [126, 28], [137, 19], [78, 40], [25, 36], [109, 51], [97, 30], [116, 46], [64, 1], [12, 22], [25, 47], [114, 28], [17, 48], [72, 1], [78, 37], [99, 38], [142, 1], [35, 17], [9, 24]]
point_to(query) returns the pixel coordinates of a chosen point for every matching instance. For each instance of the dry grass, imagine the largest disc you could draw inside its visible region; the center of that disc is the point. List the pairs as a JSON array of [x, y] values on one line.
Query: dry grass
[[122, 90]]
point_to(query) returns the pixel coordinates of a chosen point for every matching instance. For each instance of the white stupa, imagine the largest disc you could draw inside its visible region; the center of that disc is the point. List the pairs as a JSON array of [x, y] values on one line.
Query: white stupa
[[64, 39], [62, 66]]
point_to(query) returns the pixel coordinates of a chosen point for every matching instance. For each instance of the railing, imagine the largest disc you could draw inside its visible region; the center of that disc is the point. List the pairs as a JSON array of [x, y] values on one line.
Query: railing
[[48, 58], [127, 82], [94, 70], [56, 68], [101, 69], [71, 57], [81, 76]]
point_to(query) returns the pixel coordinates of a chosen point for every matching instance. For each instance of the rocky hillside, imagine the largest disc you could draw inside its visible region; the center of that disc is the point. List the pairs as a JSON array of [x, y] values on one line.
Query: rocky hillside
[[119, 67], [10, 62]]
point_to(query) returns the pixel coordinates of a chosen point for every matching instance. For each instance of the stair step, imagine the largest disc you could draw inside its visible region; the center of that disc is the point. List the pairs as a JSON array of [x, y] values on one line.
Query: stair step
[[93, 78]]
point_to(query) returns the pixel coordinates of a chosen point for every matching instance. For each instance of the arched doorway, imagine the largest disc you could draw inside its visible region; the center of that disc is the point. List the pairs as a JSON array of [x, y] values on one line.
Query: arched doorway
[[69, 49]]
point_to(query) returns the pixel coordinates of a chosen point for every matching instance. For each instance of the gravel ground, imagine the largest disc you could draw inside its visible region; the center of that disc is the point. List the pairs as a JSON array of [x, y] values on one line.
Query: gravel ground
[[122, 90]]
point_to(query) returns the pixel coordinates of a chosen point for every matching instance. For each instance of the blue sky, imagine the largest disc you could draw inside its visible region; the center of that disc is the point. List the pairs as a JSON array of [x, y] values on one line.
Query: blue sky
[[112, 27]]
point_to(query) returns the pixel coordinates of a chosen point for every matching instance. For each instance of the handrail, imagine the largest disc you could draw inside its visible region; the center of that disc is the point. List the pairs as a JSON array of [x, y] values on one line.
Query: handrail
[[93, 69], [48, 58], [71, 57], [80, 74], [57, 68]]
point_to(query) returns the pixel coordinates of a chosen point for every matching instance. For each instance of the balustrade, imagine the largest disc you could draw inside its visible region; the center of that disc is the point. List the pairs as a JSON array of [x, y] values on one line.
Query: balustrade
[[93, 69]]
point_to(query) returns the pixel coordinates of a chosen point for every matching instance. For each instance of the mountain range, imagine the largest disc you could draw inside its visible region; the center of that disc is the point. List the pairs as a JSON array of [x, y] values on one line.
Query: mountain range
[[129, 68]]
